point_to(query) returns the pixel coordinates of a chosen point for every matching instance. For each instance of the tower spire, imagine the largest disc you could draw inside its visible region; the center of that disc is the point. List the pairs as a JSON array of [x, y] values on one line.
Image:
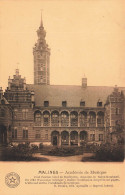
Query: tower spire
[[41, 22], [41, 54]]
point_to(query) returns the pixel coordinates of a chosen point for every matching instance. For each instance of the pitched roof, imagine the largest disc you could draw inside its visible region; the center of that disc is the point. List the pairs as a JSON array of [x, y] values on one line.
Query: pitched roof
[[55, 94]]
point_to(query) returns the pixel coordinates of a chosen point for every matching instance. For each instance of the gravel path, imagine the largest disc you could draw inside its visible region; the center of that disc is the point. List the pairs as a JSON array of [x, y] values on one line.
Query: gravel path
[[76, 158]]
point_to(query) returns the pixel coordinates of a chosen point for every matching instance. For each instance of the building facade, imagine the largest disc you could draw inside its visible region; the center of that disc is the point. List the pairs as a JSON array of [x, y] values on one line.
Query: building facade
[[59, 115]]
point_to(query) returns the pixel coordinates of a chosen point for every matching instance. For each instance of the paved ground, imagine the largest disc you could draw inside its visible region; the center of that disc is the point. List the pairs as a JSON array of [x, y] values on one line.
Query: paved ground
[[76, 158]]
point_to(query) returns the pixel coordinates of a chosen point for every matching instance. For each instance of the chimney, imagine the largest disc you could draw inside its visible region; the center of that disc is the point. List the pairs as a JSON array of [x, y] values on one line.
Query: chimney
[[84, 82]]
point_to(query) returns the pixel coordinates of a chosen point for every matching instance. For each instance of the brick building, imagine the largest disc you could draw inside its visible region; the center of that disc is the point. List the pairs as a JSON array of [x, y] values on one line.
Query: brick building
[[56, 114]]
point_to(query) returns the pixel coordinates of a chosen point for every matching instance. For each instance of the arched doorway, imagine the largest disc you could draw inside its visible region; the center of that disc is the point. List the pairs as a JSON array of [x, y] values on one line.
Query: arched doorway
[[3, 134], [64, 138], [55, 138], [74, 138], [83, 137]]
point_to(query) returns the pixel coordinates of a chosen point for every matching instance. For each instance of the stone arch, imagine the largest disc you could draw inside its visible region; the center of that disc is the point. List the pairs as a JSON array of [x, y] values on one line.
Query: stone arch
[[55, 138], [83, 119], [46, 118], [64, 110], [37, 118], [74, 138], [64, 118], [64, 138], [46, 111], [83, 136], [74, 118], [92, 118], [55, 118]]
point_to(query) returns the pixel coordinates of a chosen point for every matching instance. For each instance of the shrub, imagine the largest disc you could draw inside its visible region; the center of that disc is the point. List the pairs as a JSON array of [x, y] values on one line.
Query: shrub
[[65, 151], [108, 152], [34, 147], [22, 152]]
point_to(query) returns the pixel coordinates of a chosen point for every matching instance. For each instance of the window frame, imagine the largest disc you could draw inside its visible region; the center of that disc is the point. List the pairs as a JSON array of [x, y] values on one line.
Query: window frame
[[64, 103], [46, 103]]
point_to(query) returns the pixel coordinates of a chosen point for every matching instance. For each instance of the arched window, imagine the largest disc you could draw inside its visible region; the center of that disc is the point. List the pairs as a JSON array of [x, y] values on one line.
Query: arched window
[[92, 119], [55, 118], [25, 132], [64, 119], [74, 138], [46, 118], [100, 119], [37, 118], [74, 118], [83, 119]]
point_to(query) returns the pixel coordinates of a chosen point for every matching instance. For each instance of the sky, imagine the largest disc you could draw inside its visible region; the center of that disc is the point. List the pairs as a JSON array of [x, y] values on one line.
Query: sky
[[85, 37]]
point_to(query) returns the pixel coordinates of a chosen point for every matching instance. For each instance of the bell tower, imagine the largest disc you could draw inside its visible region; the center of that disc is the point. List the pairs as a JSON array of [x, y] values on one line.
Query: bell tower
[[41, 54]]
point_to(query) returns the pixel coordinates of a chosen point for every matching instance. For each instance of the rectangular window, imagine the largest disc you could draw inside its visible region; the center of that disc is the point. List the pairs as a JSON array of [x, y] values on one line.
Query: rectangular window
[[99, 104], [64, 103], [92, 137], [117, 111], [15, 113], [82, 103], [25, 114], [25, 133], [100, 137], [14, 133], [46, 103], [99, 120]]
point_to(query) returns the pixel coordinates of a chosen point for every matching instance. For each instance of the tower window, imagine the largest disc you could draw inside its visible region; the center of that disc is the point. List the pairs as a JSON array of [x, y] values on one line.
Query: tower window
[[64, 103], [117, 111], [82, 103], [24, 114], [46, 103]]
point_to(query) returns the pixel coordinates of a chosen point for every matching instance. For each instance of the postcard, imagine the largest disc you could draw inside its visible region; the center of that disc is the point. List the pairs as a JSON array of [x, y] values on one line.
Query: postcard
[[62, 97]]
